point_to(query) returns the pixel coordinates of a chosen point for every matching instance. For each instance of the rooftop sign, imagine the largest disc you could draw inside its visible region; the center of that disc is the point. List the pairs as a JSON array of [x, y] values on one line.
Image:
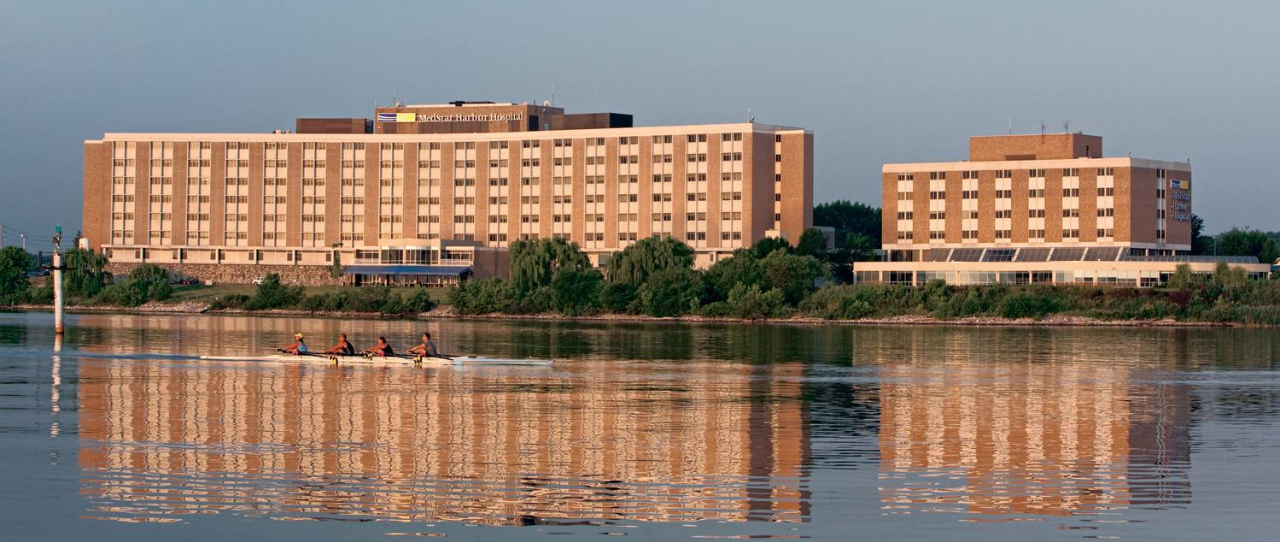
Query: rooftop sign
[[455, 117]]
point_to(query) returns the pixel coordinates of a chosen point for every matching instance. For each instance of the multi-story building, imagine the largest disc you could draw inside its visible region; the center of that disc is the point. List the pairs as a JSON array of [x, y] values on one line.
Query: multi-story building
[[440, 186], [1037, 208]]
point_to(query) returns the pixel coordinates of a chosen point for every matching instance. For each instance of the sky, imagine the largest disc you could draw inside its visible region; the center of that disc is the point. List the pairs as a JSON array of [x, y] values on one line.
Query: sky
[[875, 82]]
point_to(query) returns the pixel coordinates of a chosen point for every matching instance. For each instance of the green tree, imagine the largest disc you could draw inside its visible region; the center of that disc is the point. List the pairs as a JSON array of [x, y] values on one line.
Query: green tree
[[536, 263], [812, 243], [1182, 277], [576, 292], [791, 274], [848, 217], [146, 282], [15, 263], [1269, 252], [743, 267], [673, 291], [639, 261], [336, 270], [87, 274], [1200, 243], [767, 245], [1229, 276], [1238, 242], [861, 247]]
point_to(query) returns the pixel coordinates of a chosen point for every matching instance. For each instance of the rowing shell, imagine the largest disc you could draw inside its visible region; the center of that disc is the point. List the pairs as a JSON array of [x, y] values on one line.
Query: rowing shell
[[391, 360]]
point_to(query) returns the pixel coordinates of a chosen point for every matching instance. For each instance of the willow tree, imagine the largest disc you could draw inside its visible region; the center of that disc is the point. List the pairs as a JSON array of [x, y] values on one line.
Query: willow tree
[[87, 274], [648, 257], [536, 263]]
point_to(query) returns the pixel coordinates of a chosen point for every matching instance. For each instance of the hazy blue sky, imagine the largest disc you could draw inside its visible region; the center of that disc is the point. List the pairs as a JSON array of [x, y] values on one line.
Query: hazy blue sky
[[875, 83]]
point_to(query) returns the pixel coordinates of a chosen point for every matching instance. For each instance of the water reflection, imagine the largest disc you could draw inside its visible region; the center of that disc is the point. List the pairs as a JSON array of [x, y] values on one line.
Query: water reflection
[[508, 446], [819, 428], [1035, 433]]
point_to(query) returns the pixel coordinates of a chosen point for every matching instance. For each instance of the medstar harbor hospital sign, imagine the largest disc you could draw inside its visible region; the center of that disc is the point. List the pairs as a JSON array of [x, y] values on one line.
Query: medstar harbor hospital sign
[[457, 117]]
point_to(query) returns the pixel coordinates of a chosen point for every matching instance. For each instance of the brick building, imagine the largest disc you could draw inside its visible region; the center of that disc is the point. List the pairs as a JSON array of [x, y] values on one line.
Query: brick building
[[1036, 208], [442, 185]]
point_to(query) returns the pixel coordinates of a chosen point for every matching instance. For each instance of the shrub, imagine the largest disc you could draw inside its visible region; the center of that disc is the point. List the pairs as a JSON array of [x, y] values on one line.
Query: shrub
[[617, 297], [837, 303], [754, 303], [481, 296], [671, 292], [40, 296], [532, 302], [1026, 305], [229, 301], [271, 294], [147, 282], [418, 302]]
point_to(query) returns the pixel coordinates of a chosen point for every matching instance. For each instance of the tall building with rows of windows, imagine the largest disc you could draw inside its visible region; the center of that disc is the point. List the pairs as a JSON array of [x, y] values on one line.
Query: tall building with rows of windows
[[430, 194], [1036, 208]]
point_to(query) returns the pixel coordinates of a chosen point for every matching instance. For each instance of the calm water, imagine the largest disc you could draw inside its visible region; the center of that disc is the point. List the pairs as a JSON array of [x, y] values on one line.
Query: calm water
[[656, 432]]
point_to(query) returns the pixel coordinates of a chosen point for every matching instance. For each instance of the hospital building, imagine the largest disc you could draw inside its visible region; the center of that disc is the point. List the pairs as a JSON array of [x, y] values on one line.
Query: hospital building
[[434, 194]]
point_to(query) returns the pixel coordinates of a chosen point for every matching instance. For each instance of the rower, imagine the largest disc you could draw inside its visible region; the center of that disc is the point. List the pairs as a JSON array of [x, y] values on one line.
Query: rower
[[427, 348], [343, 348], [381, 349], [298, 347]]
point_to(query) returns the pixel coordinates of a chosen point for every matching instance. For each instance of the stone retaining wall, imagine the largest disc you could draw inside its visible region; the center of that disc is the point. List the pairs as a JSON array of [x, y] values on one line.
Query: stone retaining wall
[[306, 275]]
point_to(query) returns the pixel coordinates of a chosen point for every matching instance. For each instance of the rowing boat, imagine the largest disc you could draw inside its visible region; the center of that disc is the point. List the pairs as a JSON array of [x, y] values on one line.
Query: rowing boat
[[389, 360]]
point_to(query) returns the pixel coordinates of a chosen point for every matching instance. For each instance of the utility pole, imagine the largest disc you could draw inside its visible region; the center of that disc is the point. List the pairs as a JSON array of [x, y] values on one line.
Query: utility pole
[[24, 241]]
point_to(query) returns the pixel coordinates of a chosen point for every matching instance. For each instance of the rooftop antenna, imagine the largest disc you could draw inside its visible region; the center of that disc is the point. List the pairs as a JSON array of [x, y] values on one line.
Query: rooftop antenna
[[749, 117], [1041, 128], [1066, 126], [1010, 125]]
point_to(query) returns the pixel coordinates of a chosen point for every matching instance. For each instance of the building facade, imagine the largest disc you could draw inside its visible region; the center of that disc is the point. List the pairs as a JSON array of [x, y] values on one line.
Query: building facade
[[1036, 208], [476, 174]]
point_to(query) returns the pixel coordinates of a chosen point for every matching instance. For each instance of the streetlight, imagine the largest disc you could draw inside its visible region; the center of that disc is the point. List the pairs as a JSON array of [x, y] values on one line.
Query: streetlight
[[24, 241]]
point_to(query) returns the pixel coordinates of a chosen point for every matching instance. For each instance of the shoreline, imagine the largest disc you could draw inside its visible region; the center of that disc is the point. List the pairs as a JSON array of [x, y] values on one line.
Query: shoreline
[[1052, 320]]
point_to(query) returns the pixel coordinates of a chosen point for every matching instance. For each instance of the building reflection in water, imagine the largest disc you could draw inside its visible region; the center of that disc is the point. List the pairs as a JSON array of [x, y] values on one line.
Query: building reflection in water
[[1026, 435], [593, 441]]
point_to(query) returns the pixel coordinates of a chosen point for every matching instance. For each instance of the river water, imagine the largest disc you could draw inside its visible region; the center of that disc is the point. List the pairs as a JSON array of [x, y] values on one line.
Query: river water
[[653, 431]]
